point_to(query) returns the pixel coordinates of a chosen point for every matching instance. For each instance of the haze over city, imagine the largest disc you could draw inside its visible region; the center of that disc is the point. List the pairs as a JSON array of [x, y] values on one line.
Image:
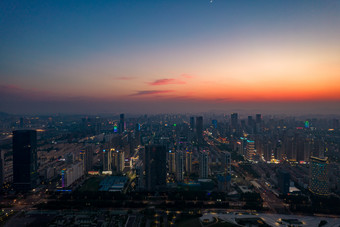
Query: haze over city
[[145, 113], [170, 56]]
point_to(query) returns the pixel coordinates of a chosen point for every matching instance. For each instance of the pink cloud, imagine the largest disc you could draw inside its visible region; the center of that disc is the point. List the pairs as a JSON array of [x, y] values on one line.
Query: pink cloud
[[166, 82], [187, 76], [10, 88]]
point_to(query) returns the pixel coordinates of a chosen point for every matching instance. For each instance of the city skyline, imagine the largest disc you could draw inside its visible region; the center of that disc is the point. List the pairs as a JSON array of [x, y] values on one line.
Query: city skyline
[[170, 56]]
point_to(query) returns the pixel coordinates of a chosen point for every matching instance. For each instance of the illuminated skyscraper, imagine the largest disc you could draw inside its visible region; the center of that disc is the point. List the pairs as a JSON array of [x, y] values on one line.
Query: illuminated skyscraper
[[204, 164], [25, 159], [226, 162], [172, 162], [319, 183], [118, 161], [188, 162], [155, 167], [179, 165], [107, 159], [250, 150]]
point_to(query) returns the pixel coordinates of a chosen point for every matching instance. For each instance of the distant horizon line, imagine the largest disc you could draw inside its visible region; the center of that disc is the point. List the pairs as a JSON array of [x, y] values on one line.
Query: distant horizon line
[[194, 114]]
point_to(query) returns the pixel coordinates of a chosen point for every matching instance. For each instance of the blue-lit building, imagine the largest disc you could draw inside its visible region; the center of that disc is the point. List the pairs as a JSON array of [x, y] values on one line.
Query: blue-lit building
[[319, 182]]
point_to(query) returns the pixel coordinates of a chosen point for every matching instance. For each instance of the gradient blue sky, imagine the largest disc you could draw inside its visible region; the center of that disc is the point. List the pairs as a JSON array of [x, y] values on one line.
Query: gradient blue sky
[[177, 56]]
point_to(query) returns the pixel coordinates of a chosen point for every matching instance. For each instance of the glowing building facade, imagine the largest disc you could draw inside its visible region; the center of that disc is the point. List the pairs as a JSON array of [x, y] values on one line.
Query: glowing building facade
[[179, 165], [319, 183], [118, 161], [250, 150], [188, 162], [172, 162]]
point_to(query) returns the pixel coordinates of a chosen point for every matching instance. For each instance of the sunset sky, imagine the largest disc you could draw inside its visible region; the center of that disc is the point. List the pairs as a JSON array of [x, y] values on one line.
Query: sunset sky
[[169, 56]]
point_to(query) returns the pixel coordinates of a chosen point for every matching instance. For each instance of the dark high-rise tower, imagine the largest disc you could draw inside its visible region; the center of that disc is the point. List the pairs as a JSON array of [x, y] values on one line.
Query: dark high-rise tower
[[199, 129], [155, 167], [258, 118], [250, 121], [24, 159], [1, 169], [283, 181], [234, 120], [121, 123], [192, 123], [88, 159], [204, 164]]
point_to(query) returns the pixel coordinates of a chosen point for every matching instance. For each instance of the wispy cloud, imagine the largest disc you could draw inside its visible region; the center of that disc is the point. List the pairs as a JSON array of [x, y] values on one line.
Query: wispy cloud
[[187, 76], [151, 92], [10, 88], [222, 100], [166, 82]]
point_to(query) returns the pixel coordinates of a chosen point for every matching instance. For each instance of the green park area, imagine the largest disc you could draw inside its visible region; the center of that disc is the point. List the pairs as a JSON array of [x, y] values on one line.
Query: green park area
[[91, 184]]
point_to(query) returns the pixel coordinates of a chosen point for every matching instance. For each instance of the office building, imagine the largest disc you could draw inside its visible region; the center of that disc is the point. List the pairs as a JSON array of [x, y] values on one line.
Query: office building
[[214, 124], [250, 121], [172, 162], [283, 178], [71, 174], [192, 123], [188, 162], [259, 124], [69, 158], [2, 160], [88, 159], [226, 162], [179, 166], [199, 130], [121, 123], [319, 182], [234, 120], [204, 164], [24, 160], [224, 178], [139, 176], [258, 118], [118, 161], [250, 150], [107, 159], [155, 167]]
